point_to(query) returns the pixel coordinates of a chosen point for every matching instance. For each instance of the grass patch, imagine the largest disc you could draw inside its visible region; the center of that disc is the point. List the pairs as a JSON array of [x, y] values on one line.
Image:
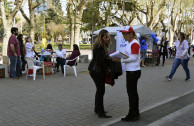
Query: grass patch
[[39, 46]]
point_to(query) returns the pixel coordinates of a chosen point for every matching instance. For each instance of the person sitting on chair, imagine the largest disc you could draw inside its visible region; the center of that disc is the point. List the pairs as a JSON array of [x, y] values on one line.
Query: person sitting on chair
[[61, 55], [30, 53], [49, 48], [73, 55]]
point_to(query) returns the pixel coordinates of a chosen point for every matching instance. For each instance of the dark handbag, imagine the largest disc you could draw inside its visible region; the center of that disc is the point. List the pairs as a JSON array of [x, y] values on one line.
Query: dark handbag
[[108, 78]]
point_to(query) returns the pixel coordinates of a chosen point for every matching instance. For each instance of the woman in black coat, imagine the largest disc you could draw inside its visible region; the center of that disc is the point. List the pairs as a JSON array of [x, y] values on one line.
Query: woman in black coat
[[98, 68], [22, 51], [162, 50]]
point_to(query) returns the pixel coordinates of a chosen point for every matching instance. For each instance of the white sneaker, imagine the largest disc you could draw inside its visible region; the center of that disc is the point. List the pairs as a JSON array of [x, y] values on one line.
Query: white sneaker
[[187, 79], [24, 72], [167, 78]]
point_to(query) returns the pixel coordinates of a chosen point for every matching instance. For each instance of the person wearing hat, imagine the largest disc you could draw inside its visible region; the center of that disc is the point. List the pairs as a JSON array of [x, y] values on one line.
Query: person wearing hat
[[133, 72]]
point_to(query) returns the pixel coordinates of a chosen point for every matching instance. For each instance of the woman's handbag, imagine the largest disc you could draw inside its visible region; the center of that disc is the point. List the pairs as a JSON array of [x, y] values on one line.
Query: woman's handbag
[[109, 79]]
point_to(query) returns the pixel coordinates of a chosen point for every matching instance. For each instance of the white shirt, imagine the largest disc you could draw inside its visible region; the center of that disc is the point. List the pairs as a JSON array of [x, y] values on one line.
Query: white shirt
[[131, 65], [29, 51], [61, 53]]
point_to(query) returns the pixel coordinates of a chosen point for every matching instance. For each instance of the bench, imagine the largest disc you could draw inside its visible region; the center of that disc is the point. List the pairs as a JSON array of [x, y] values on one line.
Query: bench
[[83, 58], [3, 68]]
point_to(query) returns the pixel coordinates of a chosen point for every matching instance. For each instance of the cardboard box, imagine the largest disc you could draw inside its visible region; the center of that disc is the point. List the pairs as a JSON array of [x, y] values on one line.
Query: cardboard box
[[2, 72], [47, 70], [6, 60], [6, 69]]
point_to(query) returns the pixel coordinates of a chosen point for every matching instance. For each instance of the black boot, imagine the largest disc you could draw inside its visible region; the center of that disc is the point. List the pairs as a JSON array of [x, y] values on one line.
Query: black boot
[[104, 116]]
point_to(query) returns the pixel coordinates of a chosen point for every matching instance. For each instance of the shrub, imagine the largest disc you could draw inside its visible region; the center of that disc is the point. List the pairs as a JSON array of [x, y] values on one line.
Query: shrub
[[38, 47]]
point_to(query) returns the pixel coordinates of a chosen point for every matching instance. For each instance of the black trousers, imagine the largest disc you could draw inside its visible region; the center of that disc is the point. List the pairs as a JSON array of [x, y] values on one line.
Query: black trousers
[[158, 59], [132, 79], [99, 80], [61, 62], [23, 63]]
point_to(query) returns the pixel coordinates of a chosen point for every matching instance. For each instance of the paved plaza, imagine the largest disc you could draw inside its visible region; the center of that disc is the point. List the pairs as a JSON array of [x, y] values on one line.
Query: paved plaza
[[69, 101]]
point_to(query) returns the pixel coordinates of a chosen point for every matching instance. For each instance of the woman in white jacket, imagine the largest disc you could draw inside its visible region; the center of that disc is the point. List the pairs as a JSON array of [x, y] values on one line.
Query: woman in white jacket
[[29, 48], [133, 72]]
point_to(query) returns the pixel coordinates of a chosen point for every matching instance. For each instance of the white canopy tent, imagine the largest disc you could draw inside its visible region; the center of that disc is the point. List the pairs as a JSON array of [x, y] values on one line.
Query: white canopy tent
[[141, 29]]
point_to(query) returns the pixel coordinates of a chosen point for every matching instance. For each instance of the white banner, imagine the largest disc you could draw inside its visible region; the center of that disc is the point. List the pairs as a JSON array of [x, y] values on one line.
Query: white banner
[[121, 45], [120, 42]]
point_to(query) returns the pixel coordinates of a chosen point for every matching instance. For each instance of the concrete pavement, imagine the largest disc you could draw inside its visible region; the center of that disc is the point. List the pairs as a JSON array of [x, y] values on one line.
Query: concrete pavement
[[69, 101]]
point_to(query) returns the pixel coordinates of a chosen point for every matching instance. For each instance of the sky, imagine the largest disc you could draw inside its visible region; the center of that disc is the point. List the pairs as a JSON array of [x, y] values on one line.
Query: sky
[[26, 10]]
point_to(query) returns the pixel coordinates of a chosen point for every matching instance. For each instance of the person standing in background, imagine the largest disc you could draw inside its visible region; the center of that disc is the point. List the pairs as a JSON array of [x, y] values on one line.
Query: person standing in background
[[182, 57], [144, 45], [162, 50], [22, 51], [13, 52]]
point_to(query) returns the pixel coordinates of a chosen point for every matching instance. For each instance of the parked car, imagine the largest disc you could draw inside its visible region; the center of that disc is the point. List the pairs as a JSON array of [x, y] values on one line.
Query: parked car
[[86, 42]]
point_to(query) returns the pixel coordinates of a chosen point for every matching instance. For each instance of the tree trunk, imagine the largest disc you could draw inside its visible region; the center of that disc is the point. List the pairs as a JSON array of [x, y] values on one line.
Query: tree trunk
[[52, 39], [107, 15], [171, 37], [7, 24], [77, 33], [72, 33], [78, 26], [7, 34], [32, 24]]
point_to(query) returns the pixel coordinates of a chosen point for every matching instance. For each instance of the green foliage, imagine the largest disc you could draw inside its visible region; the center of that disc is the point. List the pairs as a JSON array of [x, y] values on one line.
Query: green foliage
[[26, 29], [51, 16], [38, 47], [8, 7], [129, 5], [96, 15], [8, 10], [89, 17], [17, 18]]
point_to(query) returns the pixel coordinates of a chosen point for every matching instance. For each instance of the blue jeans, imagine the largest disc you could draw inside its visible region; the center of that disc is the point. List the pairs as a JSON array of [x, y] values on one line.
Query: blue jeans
[[143, 53], [15, 66], [184, 63]]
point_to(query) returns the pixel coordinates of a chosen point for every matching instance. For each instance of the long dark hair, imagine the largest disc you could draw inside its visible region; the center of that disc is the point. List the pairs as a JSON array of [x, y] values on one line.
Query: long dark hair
[[75, 47], [20, 38], [143, 38], [49, 46], [182, 37]]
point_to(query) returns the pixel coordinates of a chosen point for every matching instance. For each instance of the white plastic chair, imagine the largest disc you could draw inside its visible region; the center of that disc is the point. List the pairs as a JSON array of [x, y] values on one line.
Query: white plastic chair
[[74, 66], [35, 68], [53, 59]]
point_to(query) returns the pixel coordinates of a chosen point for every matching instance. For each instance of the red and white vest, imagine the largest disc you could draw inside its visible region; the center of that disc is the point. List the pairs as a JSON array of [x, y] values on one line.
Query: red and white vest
[[135, 65]]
